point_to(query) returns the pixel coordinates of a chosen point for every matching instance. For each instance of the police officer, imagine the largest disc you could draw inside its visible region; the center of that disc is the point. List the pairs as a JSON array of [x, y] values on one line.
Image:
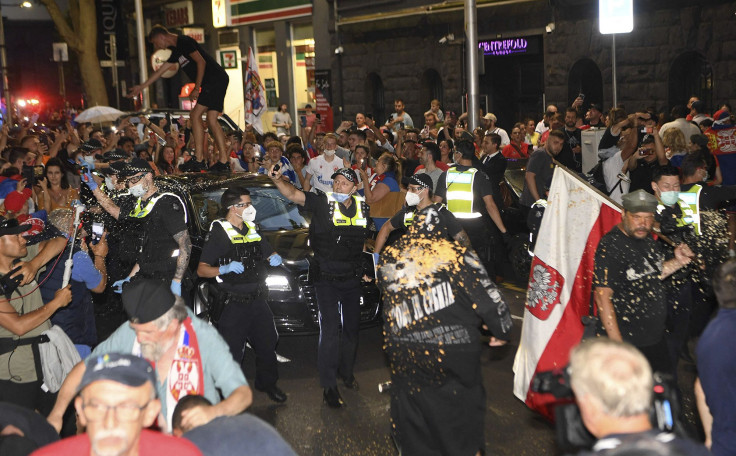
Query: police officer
[[418, 197], [234, 254], [469, 196], [337, 233], [166, 246]]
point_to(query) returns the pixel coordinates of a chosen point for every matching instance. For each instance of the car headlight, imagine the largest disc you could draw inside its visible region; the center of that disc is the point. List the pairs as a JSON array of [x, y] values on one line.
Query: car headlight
[[278, 283]]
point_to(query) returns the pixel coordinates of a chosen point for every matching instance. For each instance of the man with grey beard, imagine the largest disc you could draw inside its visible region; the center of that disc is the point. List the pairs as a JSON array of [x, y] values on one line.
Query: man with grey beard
[[117, 400], [190, 356]]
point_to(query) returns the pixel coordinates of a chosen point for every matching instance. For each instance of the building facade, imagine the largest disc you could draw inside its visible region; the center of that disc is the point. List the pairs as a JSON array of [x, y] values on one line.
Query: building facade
[[534, 52]]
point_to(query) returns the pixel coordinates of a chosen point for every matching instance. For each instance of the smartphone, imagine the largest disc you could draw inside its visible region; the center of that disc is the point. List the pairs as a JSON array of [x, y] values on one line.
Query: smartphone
[[38, 171], [319, 116], [28, 174], [97, 230], [644, 152], [581, 95]]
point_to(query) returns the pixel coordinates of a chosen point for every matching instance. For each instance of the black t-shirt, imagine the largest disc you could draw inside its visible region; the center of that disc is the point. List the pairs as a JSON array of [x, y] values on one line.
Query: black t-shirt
[[631, 268], [185, 46], [435, 295], [641, 177], [566, 156], [166, 219], [318, 205], [713, 197], [448, 223], [540, 163], [495, 167], [218, 247]]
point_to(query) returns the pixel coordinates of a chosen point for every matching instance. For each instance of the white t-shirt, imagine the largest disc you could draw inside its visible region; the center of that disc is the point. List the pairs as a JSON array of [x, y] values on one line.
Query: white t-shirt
[[611, 169], [322, 172]]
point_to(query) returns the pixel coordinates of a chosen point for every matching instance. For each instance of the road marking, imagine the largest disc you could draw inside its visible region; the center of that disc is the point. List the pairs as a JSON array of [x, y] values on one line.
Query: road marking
[[513, 287]]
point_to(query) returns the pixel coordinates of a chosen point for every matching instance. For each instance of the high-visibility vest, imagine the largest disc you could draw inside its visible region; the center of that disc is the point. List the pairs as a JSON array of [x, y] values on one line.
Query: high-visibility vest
[[683, 208], [691, 207], [142, 212], [459, 185], [339, 219], [235, 237]]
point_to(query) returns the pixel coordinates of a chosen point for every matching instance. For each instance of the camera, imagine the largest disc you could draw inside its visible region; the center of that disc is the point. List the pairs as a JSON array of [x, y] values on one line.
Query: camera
[[9, 284], [571, 434]]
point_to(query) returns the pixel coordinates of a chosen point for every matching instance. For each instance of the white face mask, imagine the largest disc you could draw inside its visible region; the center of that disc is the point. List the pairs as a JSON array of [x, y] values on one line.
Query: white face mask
[[328, 152], [341, 197], [109, 183], [89, 159], [137, 190], [412, 199], [249, 214]]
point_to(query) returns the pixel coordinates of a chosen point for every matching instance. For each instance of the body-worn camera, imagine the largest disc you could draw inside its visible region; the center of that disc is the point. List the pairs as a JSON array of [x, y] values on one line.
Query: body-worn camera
[[9, 284]]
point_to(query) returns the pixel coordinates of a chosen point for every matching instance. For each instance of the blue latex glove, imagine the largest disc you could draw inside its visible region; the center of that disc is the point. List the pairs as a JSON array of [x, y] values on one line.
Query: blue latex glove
[[118, 286], [233, 266], [90, 181], [275, 260], [176, 287]]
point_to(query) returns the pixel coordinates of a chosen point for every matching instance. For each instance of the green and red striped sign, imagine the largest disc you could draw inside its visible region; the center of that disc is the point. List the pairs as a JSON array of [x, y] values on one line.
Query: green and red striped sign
[[253, 11]]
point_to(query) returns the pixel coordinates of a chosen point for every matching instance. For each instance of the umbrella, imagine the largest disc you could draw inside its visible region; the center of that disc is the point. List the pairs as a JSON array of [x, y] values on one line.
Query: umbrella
[[99, 114]]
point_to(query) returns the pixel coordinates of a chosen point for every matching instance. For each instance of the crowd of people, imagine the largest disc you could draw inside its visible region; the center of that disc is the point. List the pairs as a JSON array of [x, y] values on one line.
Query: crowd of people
[[434, 199]]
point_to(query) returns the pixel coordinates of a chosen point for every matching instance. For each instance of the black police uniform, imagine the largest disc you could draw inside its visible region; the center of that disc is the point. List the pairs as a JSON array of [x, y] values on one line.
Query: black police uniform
[[245, 315], [337, 235], [162, 216]]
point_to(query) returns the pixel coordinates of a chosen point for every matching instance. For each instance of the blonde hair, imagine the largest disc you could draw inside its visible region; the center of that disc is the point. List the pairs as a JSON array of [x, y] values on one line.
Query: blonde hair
[[675, 140], [613, 374]]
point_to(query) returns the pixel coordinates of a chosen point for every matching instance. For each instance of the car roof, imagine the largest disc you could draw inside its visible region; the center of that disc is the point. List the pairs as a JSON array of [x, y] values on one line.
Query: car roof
[[193, 182]]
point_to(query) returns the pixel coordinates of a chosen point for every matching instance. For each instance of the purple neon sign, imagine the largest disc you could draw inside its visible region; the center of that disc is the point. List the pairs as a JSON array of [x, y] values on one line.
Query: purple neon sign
[[504, 47]]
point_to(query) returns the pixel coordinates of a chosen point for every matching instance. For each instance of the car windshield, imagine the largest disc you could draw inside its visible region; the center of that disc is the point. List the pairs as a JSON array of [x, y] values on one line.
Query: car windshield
[[273, 211]]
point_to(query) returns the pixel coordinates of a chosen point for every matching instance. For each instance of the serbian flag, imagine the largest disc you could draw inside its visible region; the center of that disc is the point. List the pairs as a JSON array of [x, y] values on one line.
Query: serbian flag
[[560, 281], [255, 94]]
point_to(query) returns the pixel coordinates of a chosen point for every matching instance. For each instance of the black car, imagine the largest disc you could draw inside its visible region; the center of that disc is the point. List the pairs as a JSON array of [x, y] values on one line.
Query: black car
[[291, 293]]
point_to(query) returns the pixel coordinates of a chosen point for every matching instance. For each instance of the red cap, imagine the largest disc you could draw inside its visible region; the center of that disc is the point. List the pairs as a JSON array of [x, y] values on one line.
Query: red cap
[[15, 200]]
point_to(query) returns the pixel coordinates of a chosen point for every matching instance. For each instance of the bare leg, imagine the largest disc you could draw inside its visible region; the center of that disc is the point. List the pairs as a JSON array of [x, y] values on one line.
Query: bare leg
[[218, 135], [198, 130]]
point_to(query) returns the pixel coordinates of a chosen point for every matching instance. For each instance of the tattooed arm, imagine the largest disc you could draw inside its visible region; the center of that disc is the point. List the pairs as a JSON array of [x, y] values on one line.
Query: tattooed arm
[[106, 203], [185, 250]]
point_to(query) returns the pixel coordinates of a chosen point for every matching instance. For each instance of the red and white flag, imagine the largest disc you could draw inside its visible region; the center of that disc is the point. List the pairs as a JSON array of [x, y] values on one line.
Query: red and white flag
[[560, 282], [255, 94]]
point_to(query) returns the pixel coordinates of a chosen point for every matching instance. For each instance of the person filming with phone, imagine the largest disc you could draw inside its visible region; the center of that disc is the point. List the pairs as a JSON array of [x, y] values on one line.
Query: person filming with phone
[[647, 157]]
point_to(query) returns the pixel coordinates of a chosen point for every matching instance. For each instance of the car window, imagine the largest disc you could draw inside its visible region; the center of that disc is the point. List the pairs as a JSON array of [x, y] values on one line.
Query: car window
[[273, 211]]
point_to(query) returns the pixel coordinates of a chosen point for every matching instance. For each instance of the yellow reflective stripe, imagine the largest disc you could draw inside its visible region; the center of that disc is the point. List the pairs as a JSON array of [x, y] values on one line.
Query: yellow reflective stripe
[[235, 237], [339, 219], [460, 198], [691, 207], [467, 215]]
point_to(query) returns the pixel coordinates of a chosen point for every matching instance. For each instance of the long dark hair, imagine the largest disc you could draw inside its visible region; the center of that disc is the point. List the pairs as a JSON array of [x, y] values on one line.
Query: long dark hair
[[161, 163], [59, 164]]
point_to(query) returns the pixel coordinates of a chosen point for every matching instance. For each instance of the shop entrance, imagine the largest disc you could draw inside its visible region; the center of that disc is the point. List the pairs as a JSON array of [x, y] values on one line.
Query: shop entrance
[[513, 79]]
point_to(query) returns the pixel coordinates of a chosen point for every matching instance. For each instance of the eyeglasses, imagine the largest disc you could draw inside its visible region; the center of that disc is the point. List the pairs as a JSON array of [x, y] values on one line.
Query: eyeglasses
[[135, 180], [415, 188], [239, 205], [94, 411]]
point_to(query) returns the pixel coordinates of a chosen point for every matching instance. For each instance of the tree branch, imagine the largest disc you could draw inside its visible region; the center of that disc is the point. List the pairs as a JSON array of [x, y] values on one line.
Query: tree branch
[[62, 25]]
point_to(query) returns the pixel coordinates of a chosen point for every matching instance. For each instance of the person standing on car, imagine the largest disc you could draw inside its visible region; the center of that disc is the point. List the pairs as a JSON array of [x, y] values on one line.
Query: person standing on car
[[337, 233], [166, 246], [234, 253], [210, 84]]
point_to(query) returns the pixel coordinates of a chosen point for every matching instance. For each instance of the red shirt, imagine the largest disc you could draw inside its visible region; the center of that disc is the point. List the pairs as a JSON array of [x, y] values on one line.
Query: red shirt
[[510, 151], [151, 443]]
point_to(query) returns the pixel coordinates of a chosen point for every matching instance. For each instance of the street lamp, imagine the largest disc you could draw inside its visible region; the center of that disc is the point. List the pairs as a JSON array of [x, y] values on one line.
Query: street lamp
[[4, 58]]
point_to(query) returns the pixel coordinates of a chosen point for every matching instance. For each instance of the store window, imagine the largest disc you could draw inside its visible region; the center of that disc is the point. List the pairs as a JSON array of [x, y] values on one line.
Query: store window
[[303, 61], [374, 100]]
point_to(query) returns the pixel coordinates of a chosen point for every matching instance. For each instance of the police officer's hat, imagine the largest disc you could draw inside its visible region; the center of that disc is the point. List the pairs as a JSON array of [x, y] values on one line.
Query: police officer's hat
[[421, 179], [137, 165], [347, 173], [640, 201]]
